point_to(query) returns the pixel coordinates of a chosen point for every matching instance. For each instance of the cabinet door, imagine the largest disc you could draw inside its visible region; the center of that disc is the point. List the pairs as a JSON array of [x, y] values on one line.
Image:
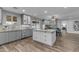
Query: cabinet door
[[23, 33], [12, 36], [29, 32], [50, 38], [26, 33], [18, 35], [38, 35], [3, 37], [34, 35], [41, 36], [25, 19]]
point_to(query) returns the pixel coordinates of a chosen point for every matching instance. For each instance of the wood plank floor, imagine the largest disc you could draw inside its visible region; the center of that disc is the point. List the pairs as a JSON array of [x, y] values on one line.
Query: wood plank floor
[[66, 43]]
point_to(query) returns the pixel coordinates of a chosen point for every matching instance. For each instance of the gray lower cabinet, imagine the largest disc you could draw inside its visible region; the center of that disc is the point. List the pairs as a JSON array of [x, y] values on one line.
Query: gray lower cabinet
[[18, 34], [29, 32], [3, 37], [12, 36], [26, 33]]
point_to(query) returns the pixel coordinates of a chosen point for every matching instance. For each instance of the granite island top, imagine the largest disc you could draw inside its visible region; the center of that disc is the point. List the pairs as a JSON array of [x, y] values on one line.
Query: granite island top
[[47, 30]]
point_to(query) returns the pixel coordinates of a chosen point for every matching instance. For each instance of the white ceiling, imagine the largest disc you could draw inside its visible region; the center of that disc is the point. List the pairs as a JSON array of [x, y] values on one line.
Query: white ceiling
[[61, 12]]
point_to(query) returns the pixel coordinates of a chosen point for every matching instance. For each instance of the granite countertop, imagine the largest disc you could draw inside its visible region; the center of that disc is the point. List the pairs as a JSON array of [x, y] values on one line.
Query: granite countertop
[[48, 30], [13, 30]]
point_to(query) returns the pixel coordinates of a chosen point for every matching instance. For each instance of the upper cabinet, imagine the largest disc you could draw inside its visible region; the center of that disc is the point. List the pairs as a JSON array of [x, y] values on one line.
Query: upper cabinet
[[29, 19], [11, 18], [8, 18], [26, 20], [14, 19]]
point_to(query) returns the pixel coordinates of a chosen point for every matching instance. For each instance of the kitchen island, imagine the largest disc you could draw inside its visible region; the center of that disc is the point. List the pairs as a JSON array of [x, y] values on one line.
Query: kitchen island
[[47, 37]]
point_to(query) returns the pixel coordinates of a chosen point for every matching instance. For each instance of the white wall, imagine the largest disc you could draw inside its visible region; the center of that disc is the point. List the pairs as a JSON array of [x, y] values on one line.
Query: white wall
[[5, 13], [69, 24]]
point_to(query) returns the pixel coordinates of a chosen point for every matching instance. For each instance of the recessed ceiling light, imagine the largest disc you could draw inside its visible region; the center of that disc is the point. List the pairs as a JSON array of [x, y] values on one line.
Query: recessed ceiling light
[[23, 10], [45, 11]]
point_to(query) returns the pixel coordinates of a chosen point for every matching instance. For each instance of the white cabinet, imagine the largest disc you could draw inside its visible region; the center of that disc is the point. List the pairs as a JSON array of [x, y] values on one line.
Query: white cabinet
[[45, 37], [49, 38], [36, 36], [3, 37], [18, 34], [12, 36]]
